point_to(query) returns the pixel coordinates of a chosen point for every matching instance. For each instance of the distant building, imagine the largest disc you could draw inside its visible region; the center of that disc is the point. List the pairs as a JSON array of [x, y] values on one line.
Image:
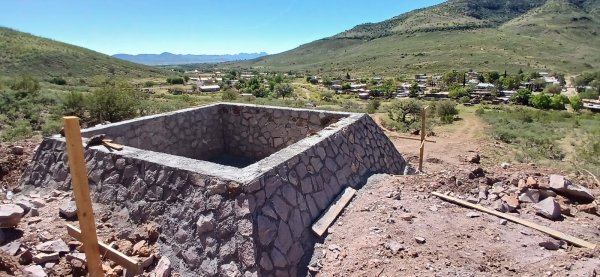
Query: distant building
[[210, 88]]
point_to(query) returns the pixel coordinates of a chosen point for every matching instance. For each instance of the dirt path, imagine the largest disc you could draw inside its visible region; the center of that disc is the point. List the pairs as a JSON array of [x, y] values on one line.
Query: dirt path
[[452, 142]]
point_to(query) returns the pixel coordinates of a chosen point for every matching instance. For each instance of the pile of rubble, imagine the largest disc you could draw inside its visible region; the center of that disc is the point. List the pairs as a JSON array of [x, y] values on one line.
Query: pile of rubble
[[32, 246], [549, 195]]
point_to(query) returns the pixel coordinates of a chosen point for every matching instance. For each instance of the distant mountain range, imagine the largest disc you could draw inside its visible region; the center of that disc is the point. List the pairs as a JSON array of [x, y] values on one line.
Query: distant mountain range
[[167, 58]]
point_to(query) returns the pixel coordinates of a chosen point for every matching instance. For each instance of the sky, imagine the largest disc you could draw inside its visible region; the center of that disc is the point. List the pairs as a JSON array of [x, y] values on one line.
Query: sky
[[195, 27]]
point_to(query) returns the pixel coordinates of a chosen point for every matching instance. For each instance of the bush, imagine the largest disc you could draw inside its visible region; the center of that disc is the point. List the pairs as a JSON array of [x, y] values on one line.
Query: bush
[[21, 129], [446, 111], [522, 96], [405, 111], [327, 96], [74, 104], [283, 90], [58, 81], [148, 84], [553, 89], [229, 95], [175, 81], [480, 111], [458, 92], [51, 127], [25, 85], [589, 94], [373, 106], [464, 99], [114, 102], [541, 101], [576, 103], [559, 101]]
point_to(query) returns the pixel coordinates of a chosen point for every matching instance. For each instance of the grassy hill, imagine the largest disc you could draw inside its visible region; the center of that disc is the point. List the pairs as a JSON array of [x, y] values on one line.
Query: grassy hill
[[555, 35], [22, 53]]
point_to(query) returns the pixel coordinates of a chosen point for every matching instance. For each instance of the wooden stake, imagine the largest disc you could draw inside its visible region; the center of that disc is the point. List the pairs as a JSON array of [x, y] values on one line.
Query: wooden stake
[[81, 191], [423, 130], [544, 229]]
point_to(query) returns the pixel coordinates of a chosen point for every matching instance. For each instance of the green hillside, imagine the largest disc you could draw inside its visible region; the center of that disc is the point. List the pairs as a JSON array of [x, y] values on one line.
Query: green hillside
[[558, 35], [22, 53]]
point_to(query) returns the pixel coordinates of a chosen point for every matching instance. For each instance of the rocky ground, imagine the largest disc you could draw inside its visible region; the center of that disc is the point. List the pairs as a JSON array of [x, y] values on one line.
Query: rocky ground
[[395, 227], [34, 240]]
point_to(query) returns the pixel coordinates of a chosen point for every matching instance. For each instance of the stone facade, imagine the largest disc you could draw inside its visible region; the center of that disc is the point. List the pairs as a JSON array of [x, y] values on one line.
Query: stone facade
[[218, 219]]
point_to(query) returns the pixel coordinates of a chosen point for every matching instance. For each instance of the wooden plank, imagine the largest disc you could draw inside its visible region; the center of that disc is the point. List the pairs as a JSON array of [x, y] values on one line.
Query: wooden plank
[[112, 145], [409, 138], [81, 191], [544, 229], [327, 218], [123, 260]]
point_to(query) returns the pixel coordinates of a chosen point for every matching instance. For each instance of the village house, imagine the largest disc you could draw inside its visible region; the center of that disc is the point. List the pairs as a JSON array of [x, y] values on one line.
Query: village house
[[210, 88]]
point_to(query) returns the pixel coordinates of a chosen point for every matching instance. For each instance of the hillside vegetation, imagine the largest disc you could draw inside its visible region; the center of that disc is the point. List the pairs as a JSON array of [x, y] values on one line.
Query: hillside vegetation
[[559, 35], [22, 53]]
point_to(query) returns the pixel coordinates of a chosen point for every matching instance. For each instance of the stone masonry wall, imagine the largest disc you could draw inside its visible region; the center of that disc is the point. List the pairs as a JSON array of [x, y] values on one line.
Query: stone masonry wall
[[290, 197], [217, 219], [205, 221], [192, 133], [257, 132]]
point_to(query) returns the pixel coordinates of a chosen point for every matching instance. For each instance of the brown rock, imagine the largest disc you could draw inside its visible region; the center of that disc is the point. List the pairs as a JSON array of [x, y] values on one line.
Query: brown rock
[[588, 208], [26, 257], [125, 247], [531, 182], [153, 231], [512, 202], [163, 268]]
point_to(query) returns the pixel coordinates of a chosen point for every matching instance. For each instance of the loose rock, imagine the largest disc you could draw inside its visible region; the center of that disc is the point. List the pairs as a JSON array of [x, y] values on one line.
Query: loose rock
[[34, 271], [68, 210], [10, 215], [58, 246], [562, 185], [420, 240], [163, 268], [548, 208]]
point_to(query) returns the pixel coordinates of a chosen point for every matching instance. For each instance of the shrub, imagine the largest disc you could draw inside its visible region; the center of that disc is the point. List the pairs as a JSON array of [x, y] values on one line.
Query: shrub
[[522, 96], [541, 101], [589, 94], [21, 129], [175, 81], [464, 99], [559, 101], [373, 106], [446, 111], [458, 92], [51, 127], [283, 90], [113, 102], [229, 95], [404, 111], [553, 89], [576, 103], [58, 81], [149, 84], [74, 104], [25, 85], [327, 96]]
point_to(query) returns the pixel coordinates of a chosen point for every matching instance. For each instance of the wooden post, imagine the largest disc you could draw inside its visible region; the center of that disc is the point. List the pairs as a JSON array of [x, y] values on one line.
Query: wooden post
[[423, 131], [81, 192]]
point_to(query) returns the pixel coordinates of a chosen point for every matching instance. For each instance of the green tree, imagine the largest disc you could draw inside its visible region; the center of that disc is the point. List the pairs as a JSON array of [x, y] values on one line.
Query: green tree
[[457, 92], [229, 95], [175, 81], [414, 90], [446, 110], [492, 77], [186, 78], [541, 101], [284, 90], [388, 88], [522, 96], [553, 89], [114, 102], [405, 110], [576, 103], [559, 101]]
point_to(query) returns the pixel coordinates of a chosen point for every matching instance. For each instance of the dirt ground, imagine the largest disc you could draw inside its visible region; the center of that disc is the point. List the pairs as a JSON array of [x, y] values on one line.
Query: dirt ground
[[378, 233], [392, 227]]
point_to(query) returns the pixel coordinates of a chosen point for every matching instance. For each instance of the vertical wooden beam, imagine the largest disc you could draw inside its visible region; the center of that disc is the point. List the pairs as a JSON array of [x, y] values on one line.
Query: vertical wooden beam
[[81, 192], [423, 131]]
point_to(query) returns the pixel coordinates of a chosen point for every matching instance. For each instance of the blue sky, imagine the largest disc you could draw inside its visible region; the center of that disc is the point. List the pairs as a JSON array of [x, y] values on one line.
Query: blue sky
[[195, 27]]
